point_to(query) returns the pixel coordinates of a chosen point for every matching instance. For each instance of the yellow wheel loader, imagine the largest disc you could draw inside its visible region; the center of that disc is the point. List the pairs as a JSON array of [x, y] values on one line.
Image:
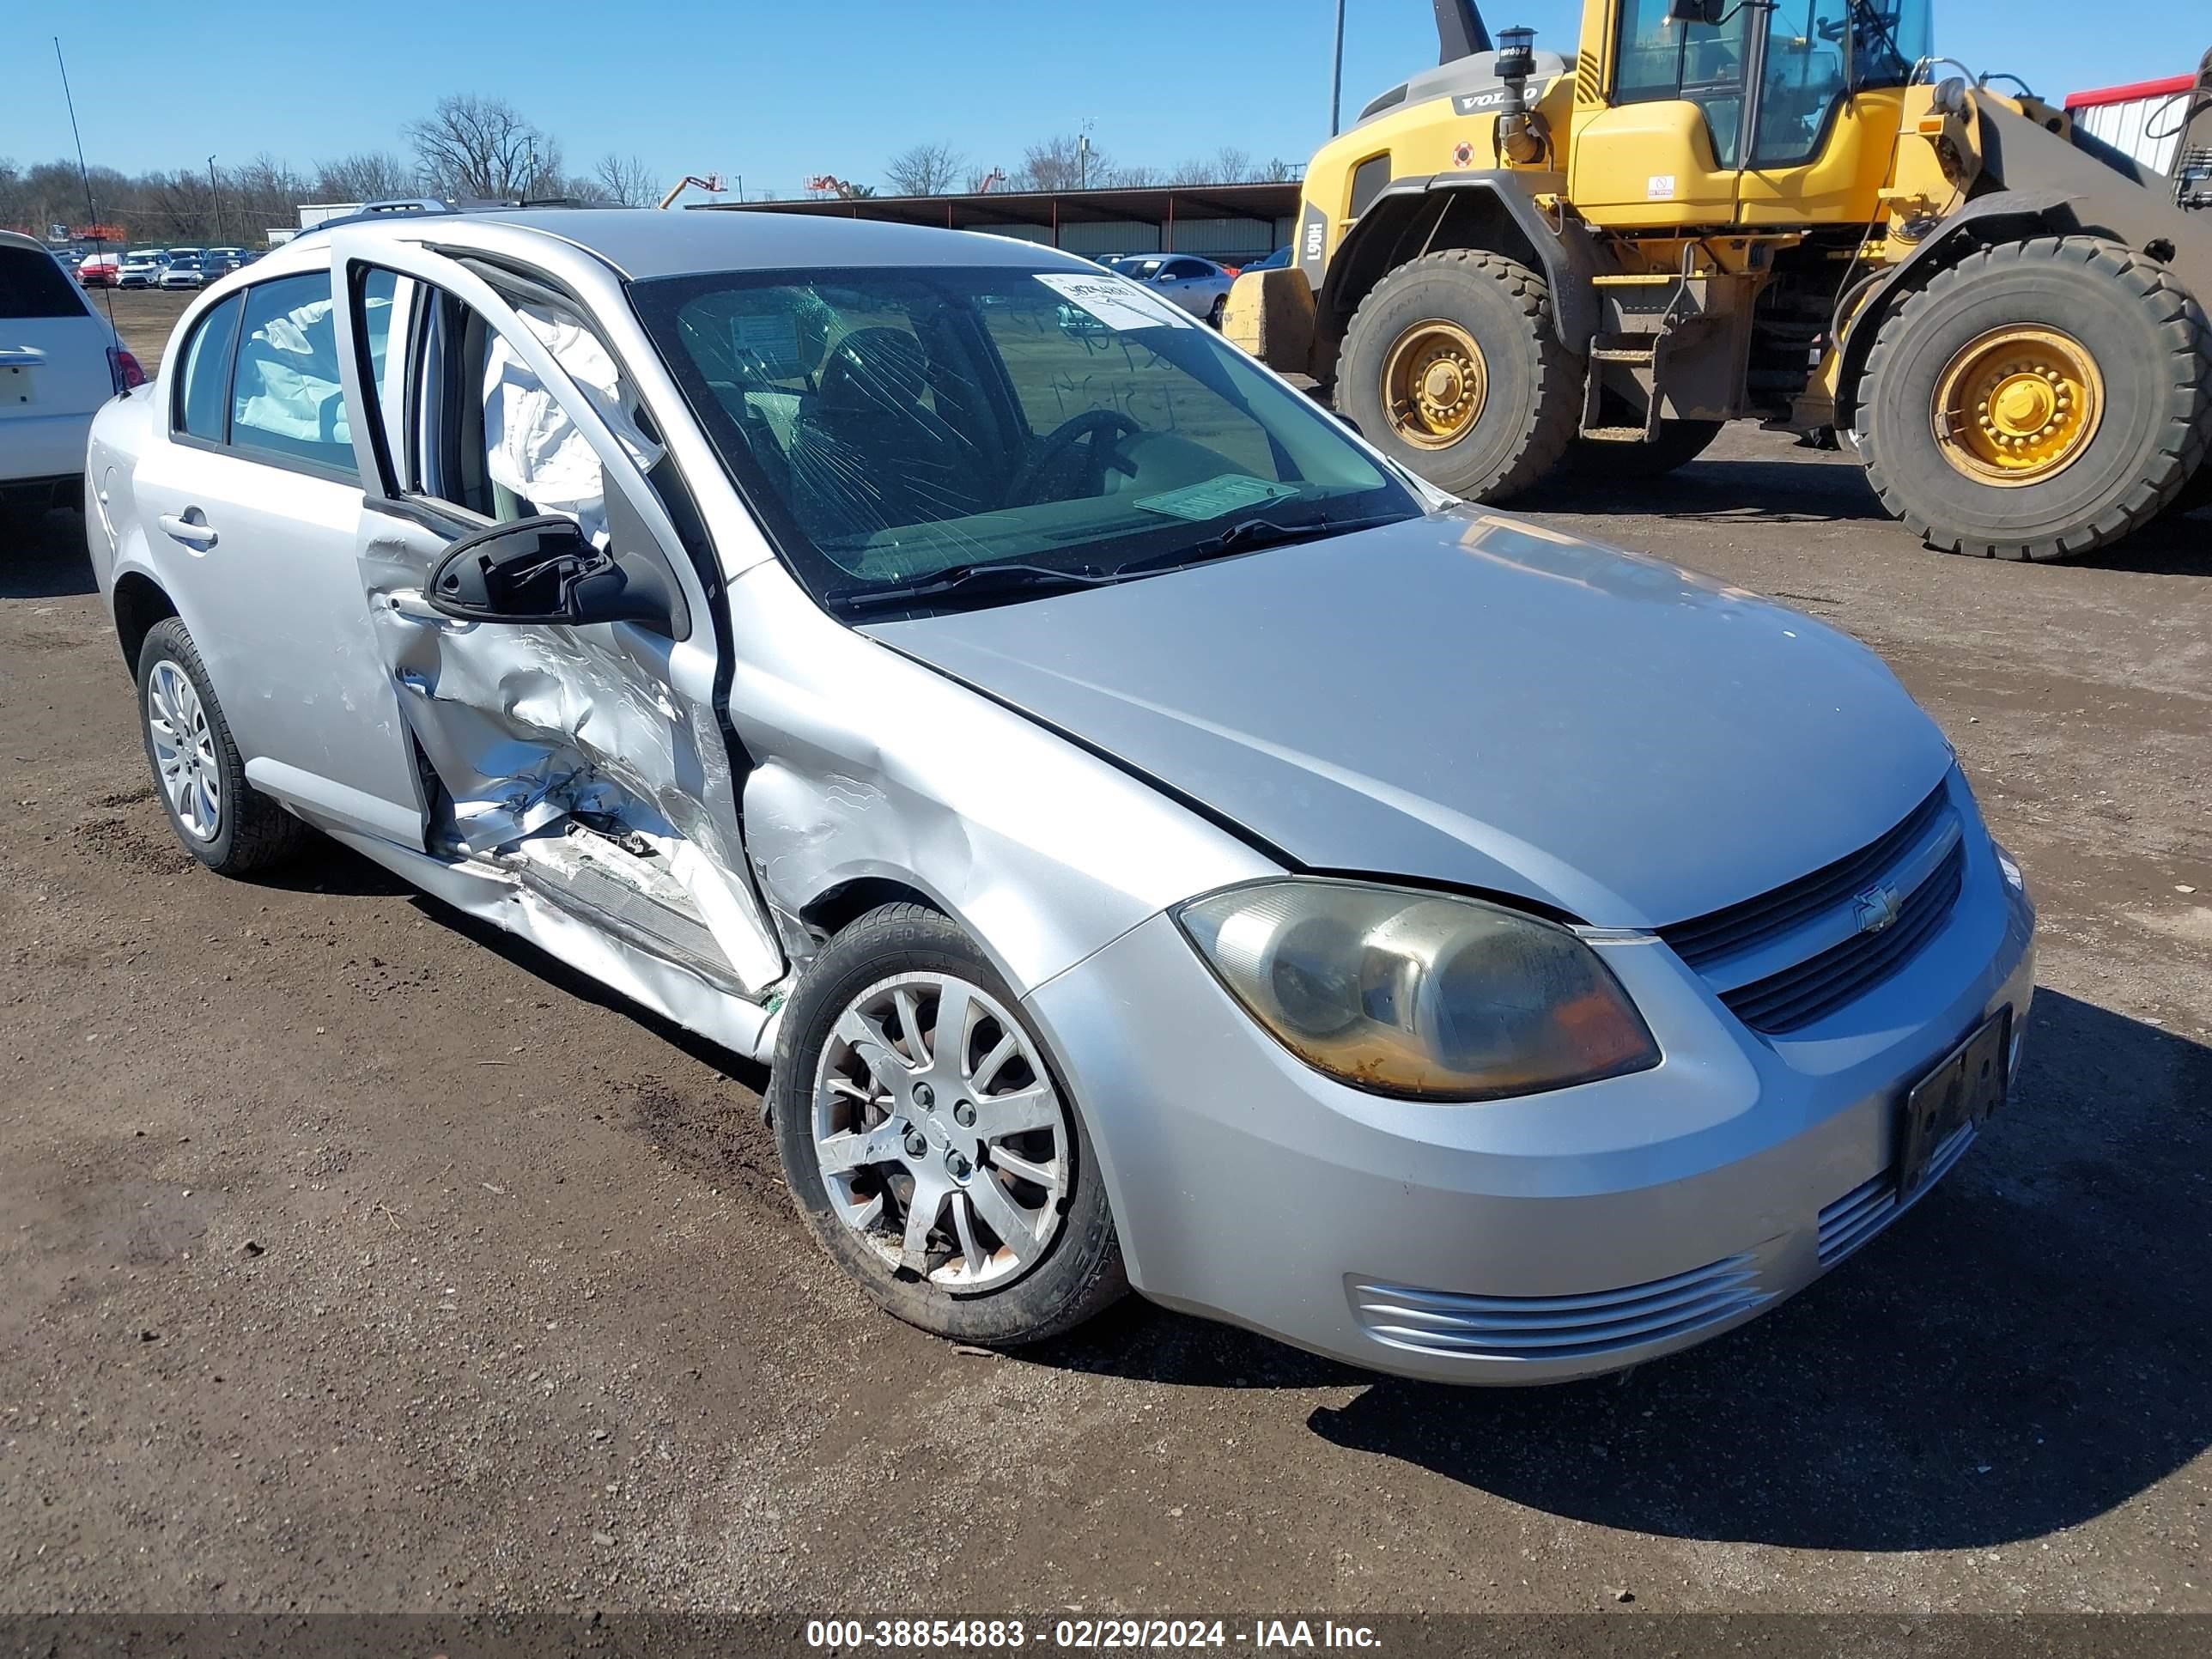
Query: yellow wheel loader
[[1780, 210]]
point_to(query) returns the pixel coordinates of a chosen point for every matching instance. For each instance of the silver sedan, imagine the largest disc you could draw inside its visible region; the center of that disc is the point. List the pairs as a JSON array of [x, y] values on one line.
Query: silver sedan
[[1153, 840]]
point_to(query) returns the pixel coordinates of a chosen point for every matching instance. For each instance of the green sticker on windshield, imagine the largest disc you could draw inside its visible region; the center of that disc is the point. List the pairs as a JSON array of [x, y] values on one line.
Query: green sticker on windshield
[[1229, 492]]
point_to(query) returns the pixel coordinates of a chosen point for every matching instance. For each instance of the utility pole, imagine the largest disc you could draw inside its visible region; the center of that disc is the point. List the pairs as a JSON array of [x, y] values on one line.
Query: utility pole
[[215, 194], [1336, 76], [1083, 161]]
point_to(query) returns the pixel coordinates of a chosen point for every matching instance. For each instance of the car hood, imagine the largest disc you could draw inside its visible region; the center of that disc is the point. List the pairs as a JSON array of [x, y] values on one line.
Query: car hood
[[1468, 700]]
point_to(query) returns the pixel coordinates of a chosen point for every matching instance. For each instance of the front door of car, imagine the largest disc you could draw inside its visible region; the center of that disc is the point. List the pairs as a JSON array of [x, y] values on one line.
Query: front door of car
[[588, 759]]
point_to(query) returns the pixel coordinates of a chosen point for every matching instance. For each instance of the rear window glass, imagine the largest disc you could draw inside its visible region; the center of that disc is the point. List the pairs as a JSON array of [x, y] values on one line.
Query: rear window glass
[[206, 385], [285, 399], [33, 285]]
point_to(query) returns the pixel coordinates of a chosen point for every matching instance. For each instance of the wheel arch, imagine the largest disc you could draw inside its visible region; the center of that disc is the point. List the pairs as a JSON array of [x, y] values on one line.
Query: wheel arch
[[1490, 211], [140, 604]]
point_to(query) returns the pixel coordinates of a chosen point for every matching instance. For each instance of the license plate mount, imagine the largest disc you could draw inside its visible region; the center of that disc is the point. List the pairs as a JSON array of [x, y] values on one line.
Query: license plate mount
[[1964, 1087]]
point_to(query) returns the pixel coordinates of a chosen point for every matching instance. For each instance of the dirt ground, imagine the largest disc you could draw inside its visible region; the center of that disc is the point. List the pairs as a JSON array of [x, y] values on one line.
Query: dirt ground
[[357, 1259]]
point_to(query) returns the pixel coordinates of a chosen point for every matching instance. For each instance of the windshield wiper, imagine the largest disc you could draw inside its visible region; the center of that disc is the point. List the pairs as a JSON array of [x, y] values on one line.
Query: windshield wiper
[[1248, 534], [982, 579]]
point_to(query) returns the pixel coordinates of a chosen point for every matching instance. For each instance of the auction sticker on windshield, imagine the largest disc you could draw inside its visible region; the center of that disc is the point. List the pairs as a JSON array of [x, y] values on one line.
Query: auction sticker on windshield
[[1226, 493], [1116, 302]]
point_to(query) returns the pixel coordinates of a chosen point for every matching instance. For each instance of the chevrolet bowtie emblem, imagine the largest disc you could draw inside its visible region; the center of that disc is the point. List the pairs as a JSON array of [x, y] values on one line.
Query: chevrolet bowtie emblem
[[1876, 909]]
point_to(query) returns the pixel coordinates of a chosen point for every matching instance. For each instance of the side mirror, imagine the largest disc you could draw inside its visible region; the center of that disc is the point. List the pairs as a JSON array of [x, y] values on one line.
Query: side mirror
[[540, 570], [1695, 11]]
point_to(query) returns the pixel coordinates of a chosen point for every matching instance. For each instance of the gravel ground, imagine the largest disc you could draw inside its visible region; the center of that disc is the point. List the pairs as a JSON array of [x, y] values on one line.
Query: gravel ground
[[359, 1259]]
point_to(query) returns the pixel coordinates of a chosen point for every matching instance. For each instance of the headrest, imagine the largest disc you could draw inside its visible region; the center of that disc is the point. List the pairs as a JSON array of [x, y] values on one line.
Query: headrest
[[875, 368]]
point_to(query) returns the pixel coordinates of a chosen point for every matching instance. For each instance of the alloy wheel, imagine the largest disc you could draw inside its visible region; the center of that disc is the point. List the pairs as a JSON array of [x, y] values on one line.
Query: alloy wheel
[[184, 750], [941, 1140]]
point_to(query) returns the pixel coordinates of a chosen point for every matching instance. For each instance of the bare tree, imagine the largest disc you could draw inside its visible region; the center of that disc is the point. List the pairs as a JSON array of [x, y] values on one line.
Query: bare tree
[[1063, 162], [625, 180], [925, 170], [368, 175], [483, 148], [1140, 177]]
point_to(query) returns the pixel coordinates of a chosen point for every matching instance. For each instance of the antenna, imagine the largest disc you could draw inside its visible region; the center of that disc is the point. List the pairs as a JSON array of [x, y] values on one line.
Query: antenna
[[92, 213]]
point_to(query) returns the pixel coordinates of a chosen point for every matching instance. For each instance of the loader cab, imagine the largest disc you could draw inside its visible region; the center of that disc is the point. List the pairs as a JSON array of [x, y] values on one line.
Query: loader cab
[[1690, 112]]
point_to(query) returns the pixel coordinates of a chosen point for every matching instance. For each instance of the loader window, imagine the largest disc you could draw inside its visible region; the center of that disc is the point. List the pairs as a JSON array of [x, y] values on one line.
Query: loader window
[[1700, 64]]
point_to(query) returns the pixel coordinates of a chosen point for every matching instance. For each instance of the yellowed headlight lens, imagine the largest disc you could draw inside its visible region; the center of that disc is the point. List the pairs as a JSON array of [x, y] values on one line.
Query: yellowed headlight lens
[[1407, 992]]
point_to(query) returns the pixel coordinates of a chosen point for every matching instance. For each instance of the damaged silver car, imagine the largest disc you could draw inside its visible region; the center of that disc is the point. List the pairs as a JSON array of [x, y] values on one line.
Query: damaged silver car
[[1151, 840]]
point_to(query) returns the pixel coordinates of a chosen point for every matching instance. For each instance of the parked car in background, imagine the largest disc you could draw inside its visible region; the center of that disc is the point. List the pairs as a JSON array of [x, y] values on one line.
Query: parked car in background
[[221, 261], [1151, 838], [143, 268], [184, 271], [1274, 261], [59, 360], [1199, 286], [100, 269]]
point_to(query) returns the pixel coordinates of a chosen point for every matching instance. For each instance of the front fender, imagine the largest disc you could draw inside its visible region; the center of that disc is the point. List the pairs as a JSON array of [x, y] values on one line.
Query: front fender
[[1493, 211]]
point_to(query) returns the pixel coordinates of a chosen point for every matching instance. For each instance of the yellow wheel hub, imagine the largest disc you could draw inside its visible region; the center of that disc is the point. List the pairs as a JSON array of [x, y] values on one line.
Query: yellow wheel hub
[[1434, 384], [2018, 405]]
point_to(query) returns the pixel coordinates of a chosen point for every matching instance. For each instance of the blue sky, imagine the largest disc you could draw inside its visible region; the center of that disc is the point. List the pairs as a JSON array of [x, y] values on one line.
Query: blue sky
[[777, 92]]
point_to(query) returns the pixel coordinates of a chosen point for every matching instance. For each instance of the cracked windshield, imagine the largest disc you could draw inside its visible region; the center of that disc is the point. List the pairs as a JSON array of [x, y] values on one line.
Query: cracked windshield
[[978, 436]]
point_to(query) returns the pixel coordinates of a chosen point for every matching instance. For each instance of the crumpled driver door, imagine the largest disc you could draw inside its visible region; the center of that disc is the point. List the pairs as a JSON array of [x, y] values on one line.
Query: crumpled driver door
[[591, 765]]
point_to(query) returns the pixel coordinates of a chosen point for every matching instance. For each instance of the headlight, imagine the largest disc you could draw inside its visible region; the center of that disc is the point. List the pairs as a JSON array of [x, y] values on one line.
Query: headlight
[[1406, 992]]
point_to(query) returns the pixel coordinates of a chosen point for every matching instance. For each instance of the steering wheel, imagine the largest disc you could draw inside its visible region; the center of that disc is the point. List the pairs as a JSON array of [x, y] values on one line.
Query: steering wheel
[[1053, 449]]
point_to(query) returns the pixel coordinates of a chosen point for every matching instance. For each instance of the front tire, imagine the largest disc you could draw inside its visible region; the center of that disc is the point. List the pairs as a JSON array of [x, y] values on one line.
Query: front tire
[[1220, 310], [1451, 366], [219, 819], [927, 1143], [2037, 399]]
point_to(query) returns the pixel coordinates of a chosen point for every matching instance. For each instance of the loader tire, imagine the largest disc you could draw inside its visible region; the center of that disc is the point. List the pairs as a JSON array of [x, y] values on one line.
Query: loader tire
[[1518, 399], [2110, 332]]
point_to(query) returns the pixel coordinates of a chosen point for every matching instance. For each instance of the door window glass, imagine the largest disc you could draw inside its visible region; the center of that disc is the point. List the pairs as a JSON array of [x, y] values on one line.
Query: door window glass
[[496, 441], [285, 403], [203, 390], [1818, 50], [1701, 64]]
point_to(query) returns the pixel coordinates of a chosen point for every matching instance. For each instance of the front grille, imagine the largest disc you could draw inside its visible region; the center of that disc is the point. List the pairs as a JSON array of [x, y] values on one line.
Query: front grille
[[1820, 985], [1835, 963], [1705, 940], [1537, 1327], [1868, 1208]]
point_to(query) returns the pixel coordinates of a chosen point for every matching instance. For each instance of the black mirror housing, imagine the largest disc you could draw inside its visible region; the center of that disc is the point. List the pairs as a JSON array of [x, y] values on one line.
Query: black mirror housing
[[541, 570], [1695, 11]]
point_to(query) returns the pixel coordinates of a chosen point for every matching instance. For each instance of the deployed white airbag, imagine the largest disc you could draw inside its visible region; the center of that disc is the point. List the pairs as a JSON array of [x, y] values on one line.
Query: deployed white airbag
[[287, 378], [532, 446]]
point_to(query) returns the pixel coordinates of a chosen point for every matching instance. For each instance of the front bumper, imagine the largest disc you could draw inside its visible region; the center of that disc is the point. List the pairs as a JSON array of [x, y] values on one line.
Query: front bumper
[[1531, 1240]]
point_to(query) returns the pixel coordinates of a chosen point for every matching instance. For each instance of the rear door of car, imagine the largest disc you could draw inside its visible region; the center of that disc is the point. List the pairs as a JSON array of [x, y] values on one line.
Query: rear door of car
[[54, 367], [251, 498], [590, 761]]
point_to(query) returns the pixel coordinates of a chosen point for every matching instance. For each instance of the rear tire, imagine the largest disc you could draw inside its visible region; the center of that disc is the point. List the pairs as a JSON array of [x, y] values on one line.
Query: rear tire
[[2149, 345], [231, 827], [1220, 310], [1530, 405]]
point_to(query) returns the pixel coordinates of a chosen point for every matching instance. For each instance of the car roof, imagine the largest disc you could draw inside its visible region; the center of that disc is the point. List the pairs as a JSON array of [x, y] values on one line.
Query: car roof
[[16, 239], [643, 243]]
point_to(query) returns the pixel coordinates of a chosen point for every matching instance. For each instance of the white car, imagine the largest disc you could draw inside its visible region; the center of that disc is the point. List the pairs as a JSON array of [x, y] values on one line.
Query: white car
[[185, 271], [1199, 286], [143, 268], [59, 362]]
